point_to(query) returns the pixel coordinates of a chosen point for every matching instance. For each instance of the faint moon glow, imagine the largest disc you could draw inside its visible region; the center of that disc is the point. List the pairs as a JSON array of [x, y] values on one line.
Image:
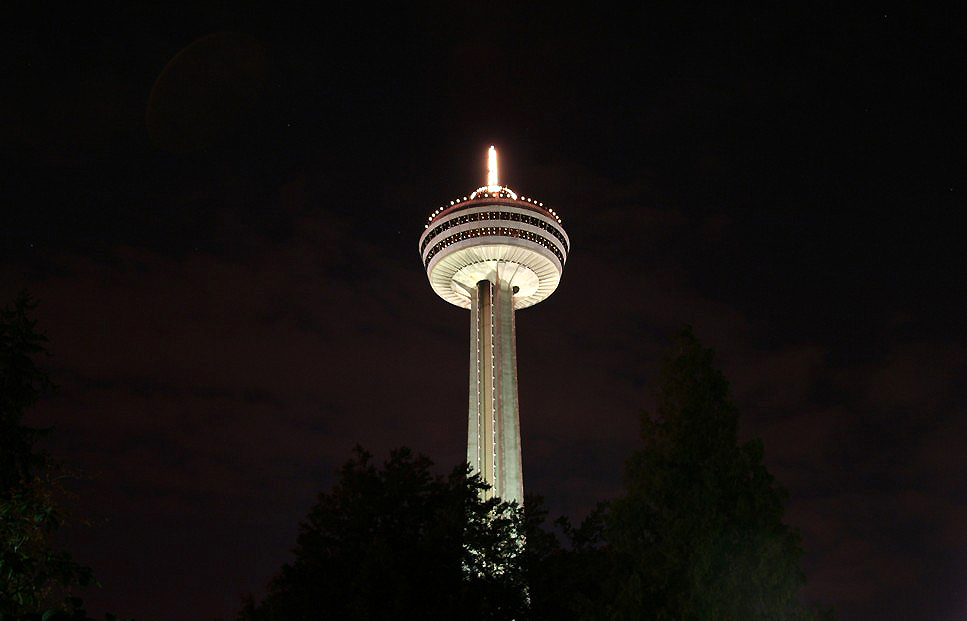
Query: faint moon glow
[[207, 92]]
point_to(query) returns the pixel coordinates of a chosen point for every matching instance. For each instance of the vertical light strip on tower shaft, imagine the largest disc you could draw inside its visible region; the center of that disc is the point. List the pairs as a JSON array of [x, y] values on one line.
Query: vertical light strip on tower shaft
[[494, 253]]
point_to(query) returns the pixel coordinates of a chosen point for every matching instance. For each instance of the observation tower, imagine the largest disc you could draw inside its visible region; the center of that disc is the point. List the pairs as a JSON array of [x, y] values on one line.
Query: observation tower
[[494, 252]]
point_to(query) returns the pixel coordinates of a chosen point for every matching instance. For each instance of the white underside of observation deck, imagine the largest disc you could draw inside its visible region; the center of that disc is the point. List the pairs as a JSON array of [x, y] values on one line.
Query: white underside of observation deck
[[455, 271]]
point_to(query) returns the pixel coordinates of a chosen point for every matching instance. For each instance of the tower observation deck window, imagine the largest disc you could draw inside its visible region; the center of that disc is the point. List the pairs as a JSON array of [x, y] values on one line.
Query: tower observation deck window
[[533, 237], [495, 215]]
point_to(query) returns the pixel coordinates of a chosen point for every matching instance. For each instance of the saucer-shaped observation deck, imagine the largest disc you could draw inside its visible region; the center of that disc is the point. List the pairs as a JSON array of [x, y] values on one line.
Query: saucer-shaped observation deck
[[493, 234]]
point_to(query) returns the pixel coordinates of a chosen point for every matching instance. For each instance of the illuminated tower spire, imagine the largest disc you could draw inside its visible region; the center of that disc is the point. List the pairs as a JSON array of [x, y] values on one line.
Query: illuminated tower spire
[[494, 253], [492, 168]]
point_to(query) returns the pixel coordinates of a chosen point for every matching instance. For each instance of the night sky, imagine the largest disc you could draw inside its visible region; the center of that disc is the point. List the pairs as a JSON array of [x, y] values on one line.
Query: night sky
[[218, 210]]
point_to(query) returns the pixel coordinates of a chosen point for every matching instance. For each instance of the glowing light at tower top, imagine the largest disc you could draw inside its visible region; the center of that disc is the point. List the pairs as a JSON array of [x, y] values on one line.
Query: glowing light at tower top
[[493, 190], [493, 187], [492, 184]]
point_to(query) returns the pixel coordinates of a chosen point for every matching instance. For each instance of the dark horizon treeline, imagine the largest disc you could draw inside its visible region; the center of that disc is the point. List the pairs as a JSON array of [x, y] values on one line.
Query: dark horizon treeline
[[697, 534]]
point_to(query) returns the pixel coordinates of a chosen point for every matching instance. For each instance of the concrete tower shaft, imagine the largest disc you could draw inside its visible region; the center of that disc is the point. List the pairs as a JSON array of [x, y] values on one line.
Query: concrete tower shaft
[[493, 432]]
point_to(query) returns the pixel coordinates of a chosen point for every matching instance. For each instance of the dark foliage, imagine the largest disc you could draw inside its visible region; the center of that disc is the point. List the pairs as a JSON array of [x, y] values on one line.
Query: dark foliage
[[22, 383], [401, 541], [564, 581], [34, 574], [699, 533]]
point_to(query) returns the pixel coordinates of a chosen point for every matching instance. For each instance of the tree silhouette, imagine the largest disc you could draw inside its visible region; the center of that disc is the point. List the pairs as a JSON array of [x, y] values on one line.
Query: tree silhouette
[[399, 540], [33, 570], [699, 533]]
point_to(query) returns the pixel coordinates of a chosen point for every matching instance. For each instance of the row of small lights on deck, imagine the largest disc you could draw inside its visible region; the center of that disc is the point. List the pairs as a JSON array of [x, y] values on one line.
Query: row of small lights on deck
[[474, 195]]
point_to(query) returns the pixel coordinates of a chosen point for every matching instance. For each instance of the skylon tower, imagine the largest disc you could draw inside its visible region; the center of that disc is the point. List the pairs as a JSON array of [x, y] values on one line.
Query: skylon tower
[[494, 252]]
